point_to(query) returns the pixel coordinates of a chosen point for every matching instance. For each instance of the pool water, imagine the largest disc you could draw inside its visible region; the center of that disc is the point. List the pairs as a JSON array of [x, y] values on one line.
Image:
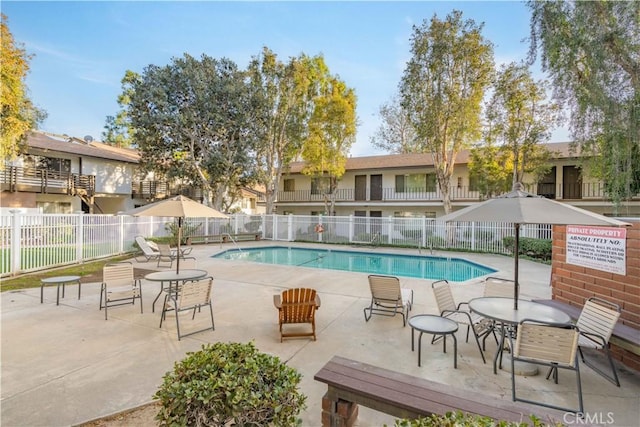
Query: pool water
[[422, 267]]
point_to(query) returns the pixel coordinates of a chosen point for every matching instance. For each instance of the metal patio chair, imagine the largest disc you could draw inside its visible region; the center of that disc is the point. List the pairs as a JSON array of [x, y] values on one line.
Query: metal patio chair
[[191, 296], [553, 345], [448, 308], [119, 287], [596, 322]]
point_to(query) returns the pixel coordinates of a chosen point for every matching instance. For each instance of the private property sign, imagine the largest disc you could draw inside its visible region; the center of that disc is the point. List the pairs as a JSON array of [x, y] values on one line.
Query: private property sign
[[602, 248]]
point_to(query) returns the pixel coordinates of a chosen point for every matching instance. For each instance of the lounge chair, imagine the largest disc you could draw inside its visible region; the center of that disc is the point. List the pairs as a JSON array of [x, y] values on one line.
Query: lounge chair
[[119, 287], [388, 298], [297, 306], [149, 252]]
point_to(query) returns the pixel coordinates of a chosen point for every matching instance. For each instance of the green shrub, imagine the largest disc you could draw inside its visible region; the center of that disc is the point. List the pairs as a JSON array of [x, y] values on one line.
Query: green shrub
[[230, 384], [535, 248], [172, 229], [459, 419]]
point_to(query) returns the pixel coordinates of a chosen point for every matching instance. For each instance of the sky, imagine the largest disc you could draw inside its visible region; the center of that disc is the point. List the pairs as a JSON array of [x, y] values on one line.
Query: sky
[[82, 49]]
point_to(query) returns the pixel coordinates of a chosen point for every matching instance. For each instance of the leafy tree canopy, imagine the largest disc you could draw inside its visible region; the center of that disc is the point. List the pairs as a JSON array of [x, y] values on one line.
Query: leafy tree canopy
[[518, 119], [18, 115], [442, 89], [286, 94], [592, 52], [193, 119], [396, 133]]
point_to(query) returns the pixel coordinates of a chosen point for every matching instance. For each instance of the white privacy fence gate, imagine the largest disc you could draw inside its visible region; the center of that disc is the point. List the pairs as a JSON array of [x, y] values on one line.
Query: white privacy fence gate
[[31, 242]]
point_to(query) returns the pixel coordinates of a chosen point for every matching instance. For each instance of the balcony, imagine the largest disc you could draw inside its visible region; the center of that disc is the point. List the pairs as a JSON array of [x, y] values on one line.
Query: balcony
[[588, 191], [31, 180], [156, 190]]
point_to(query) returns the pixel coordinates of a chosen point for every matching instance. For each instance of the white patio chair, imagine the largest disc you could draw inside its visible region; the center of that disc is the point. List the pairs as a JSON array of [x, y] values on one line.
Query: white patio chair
[[596, 322], [119, 287], [553, 345], [190, 297], [448, 308]]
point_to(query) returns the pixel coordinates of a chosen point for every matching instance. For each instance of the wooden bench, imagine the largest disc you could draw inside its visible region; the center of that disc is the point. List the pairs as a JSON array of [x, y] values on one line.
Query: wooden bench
[[223, 238], [351, 383], [204, 238], [623, 336]]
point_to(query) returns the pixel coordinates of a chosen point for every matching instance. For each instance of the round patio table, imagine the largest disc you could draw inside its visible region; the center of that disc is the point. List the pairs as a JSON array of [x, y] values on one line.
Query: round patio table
[[172, 277], [502, 311], [436, 325], [59, 280]]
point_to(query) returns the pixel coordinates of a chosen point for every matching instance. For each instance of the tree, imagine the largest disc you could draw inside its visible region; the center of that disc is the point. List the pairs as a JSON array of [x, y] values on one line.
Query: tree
[[396, 133], [517, 120], [193, 119], [285, 91], [491, 169], [332, 131], [118, 129], [591, 50], [19, 115], [442, 90]]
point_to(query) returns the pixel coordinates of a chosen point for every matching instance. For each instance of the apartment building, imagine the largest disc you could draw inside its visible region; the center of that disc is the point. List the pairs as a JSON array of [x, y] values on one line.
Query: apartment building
[[404, 185], [60, 174]]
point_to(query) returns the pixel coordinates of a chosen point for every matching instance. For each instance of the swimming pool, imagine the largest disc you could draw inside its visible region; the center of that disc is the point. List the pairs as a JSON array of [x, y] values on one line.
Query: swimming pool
[[422, 267]]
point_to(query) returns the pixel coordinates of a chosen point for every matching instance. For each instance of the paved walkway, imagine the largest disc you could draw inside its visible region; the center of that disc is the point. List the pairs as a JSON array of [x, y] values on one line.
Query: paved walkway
[[64, 365]]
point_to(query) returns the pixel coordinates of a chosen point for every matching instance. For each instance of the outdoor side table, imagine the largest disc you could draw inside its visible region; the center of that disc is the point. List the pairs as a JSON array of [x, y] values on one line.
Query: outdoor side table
[[436, 325], [59, 280]]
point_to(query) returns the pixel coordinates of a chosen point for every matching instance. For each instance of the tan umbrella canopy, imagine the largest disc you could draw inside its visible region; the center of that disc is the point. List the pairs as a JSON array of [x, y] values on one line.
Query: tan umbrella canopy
[[180, 207], [519, 207]]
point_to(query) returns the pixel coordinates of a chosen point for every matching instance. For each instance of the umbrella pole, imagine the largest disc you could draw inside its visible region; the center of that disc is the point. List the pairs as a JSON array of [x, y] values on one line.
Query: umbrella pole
[[516, 245], [179, 239]]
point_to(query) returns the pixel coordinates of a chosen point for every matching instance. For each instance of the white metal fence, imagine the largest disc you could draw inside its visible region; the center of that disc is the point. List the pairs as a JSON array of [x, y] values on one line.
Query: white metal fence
[[30, 242]]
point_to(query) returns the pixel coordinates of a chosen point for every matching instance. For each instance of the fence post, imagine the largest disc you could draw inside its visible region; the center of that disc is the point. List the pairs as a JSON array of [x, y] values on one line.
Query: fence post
[[473, 236], [123, 233], [16, 250], [290, 227], [390, 230], [351, 228], [424, 232], [80, 237], [274, 219]]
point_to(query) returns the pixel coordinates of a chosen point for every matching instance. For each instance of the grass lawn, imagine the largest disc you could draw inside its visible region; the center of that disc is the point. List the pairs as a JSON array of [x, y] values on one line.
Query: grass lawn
[[87, 271]]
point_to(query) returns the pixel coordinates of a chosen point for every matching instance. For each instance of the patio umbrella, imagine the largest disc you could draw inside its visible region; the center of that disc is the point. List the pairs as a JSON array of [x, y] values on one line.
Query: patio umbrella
[[180, 207], [519, 207]]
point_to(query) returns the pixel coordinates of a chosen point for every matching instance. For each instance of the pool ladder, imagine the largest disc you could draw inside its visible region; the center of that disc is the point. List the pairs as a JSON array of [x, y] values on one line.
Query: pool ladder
[[430, 249], [232, 239]]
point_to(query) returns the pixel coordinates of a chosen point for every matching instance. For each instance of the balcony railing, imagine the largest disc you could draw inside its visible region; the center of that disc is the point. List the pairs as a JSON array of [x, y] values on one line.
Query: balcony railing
[[153, 190], [584, 191], [32, 180]]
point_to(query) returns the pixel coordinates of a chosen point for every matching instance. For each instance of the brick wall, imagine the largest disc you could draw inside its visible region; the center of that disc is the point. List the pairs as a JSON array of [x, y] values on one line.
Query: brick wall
[[573, 284]]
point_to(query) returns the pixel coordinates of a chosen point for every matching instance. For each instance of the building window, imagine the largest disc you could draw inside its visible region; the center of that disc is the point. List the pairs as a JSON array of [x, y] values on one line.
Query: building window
[[62, 166], [430, 214], [55, 207], [320, 185], [289, 185], [411, 183]]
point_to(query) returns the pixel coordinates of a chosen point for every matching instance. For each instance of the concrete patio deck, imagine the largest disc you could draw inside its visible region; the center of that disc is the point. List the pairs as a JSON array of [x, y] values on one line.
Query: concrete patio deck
[[65, 365]]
